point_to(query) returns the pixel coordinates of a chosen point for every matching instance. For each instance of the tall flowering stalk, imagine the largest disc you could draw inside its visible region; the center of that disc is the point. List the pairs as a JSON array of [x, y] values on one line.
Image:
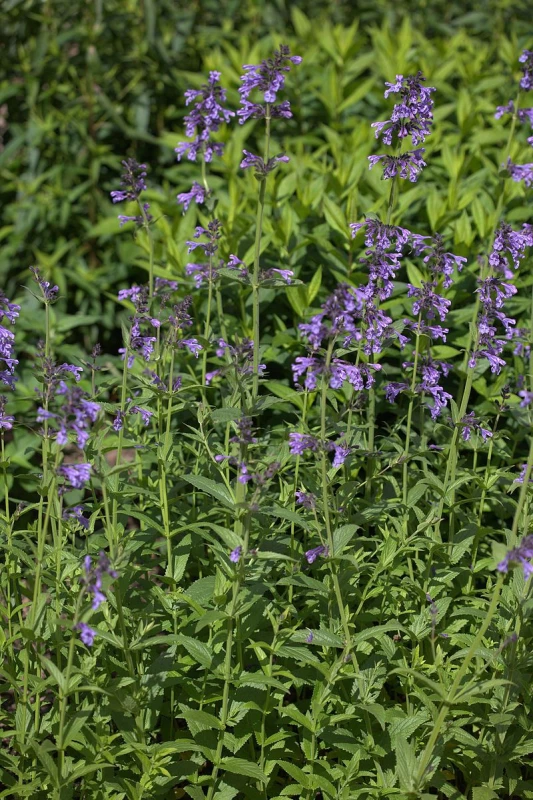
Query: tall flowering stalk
[[505, 243], [204, 119], [268, 78], [412, 116], [132, 184]]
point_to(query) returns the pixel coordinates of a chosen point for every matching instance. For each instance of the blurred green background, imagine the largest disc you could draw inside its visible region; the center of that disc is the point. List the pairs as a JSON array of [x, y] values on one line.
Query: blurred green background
[[85, 84]]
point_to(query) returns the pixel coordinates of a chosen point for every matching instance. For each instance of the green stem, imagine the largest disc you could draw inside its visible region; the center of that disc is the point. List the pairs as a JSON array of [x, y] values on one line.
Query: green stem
[[410, 413], [146, 226], [257, 254], [325, 496]]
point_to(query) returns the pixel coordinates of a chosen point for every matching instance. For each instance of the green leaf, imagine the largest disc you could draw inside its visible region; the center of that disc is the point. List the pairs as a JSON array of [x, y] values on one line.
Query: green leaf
[[239, 766], [201, 719], [335, 216], [198, 650], [217, 490], [341, 537]]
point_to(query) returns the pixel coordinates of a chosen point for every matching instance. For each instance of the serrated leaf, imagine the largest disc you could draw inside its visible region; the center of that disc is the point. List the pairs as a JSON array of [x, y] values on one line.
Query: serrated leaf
[[217, 490], [239, 766], [341, 537]]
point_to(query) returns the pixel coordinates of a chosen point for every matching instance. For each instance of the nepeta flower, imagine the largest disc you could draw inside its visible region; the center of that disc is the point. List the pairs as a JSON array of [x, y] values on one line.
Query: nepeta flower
[[76, 512], [49, 292], [142, 323], [436, 259], [239, 357], [508, 242], [527, 398], [299, 443], [272, 274], [492, 293], [192, 345], [76, 475], [340, 453], [312, 555], [205, 118], [305, 499], [235, 555], [6, 420], [137, 218], [145, 414], [262, 169], [408, 165], [521, 172], [267, 77], [76, 414], [132, 181], [7, 339], [523, 554], [428, 302], [212, 233], [87, 633], [469, 423], [413, 115], [197, 193], [527, 60], [521, 478], [92, 579]]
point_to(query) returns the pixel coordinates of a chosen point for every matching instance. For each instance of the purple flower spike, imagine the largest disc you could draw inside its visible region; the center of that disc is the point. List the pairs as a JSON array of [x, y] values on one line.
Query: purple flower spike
[[93, 575], [527, 60], [76, 475], [257, 163], [132, 183], [197, 193], [413, 115], [268, 78], [408, 165], [300, 442], [312, 555], [205, 118], [87, 634], [235, 555], [306, 500], [310, 636], [76, 512], [6, 420], [521, 555], [521, 173]]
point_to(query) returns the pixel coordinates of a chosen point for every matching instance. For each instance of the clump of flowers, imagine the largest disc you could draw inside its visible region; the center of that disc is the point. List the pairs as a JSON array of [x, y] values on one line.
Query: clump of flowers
[[411, 116], [204, 119], [267, 77], [9, 311], [521, 555], [133, 183]]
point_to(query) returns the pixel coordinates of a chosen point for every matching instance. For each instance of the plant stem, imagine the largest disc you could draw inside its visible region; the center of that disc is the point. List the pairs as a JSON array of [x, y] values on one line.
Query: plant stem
[[257, 254], [410, 413]]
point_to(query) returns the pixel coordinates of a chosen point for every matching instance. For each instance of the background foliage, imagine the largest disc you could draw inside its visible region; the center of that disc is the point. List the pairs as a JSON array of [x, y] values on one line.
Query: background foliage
[[85, 85]]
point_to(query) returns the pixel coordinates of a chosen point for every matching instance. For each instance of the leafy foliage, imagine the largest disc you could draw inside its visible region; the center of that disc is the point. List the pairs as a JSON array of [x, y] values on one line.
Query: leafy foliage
[[215, 612]]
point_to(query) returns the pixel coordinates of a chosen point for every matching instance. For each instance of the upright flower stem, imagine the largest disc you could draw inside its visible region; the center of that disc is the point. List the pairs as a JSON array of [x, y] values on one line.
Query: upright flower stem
[[146, 226], [123, 392], [164, 458], [207, 326], [231, 623], [410, 414], [325, 497], [257, 255], [371, 412]]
